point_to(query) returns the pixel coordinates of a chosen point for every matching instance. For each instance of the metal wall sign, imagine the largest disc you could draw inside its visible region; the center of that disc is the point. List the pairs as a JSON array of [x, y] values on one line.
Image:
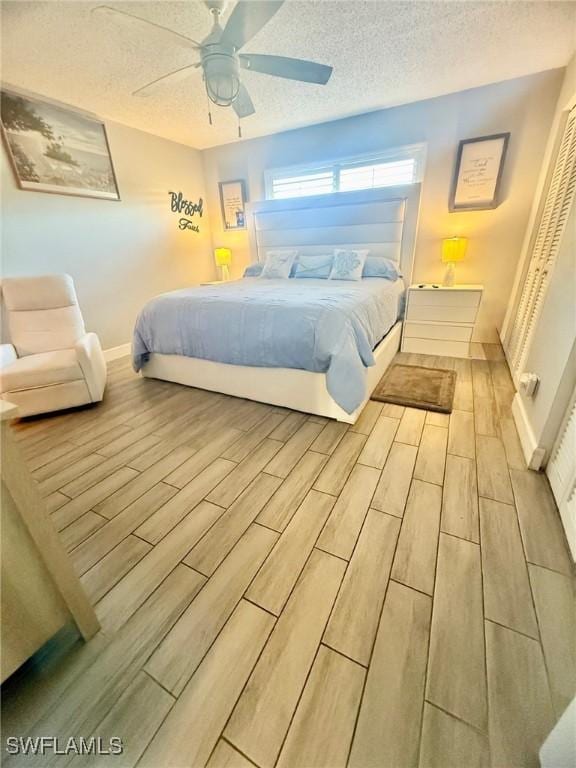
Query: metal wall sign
[[179, 204]]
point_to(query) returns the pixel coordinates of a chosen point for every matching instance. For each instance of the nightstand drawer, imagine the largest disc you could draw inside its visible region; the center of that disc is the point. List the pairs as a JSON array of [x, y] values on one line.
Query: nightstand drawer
[[442, 314], [436, 347], [444, 298], [444, 332]]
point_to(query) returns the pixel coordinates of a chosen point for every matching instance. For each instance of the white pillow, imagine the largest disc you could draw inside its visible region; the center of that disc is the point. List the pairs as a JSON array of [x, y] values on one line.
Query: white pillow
[[278, 264], [348, 264]]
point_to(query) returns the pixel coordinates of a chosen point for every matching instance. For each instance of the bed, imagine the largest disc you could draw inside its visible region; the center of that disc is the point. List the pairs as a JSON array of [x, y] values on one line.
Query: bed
[[318, 346]]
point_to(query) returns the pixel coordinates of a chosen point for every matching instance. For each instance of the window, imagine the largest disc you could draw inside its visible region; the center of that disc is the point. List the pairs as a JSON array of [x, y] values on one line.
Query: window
[[400, 166]]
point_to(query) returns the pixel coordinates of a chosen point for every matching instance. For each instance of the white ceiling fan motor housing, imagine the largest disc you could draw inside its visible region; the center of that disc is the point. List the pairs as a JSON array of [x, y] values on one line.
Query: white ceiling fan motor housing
[[216, 6]]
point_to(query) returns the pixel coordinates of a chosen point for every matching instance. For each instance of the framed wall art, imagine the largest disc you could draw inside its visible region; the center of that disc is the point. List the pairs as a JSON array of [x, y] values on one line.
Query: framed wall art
[[232, 202], [478, 173], [56, 149]]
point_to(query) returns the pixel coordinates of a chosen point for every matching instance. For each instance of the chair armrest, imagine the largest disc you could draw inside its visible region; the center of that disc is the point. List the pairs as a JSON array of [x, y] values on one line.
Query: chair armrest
[[7, 355], [93, 365]]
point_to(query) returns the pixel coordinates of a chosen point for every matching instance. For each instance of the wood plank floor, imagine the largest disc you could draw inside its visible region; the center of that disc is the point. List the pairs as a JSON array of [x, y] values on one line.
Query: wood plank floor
[[276, 589]]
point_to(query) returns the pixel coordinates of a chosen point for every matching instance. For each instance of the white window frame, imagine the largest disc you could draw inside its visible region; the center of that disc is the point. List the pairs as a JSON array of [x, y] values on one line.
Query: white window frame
[[417, 152]]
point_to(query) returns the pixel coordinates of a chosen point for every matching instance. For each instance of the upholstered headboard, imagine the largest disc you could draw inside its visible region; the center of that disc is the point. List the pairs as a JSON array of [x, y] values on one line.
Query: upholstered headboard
[[382, 220]]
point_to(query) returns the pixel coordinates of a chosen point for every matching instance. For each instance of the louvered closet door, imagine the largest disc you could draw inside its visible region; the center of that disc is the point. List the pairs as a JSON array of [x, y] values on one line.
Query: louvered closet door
[[545, 249], [561, 471]]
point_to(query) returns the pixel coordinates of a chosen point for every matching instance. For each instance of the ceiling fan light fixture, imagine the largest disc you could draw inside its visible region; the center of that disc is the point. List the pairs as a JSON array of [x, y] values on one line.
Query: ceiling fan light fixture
[[222, 79]]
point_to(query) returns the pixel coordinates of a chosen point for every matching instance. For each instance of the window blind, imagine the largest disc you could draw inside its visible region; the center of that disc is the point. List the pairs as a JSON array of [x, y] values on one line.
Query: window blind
[[395, 168], [378, 175], [316, 183]]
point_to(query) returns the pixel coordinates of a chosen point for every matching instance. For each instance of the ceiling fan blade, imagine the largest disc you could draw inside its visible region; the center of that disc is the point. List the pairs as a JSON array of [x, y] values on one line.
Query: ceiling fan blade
[[248, 18], [135, 22], [281, 66], [242, 104], [175, 76]]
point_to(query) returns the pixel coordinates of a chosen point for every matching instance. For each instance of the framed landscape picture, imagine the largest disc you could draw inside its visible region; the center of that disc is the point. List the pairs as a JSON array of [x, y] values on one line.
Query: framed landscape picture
[[478, 173], [55, 149], [232, 202]]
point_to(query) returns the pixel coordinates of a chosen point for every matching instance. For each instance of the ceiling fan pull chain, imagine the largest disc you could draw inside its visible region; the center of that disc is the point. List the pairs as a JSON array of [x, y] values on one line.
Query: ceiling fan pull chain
[[208, 107], [239, 129]]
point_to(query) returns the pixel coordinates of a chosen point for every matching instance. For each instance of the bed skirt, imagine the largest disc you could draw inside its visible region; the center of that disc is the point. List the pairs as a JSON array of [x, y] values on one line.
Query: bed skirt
[[287, 387]]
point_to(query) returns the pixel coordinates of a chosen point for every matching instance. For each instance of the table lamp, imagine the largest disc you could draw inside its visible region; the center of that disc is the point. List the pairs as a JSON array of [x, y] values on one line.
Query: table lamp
[[223, 258], [453, 250]]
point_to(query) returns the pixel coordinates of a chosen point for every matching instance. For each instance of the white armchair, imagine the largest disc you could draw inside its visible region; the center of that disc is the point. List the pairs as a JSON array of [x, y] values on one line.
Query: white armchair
[[52, 363]]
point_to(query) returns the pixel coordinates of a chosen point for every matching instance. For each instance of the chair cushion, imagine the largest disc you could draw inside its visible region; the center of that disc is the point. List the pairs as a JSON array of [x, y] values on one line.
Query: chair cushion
[[45, 330], [40, 370], [43, 313], [42, 292]]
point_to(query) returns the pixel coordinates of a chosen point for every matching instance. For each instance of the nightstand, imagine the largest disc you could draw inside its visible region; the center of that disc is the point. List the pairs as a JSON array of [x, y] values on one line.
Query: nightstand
[[439, 320]]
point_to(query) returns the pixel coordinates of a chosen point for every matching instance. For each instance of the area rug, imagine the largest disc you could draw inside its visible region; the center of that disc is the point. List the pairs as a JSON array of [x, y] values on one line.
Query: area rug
[[417, 387]]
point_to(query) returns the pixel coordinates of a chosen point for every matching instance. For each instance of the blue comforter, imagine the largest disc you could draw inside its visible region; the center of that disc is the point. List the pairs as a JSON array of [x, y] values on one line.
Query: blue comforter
[[328, 326]]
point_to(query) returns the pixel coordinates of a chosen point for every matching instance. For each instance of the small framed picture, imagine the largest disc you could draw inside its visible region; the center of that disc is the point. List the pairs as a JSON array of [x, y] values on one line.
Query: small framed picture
[[232, 202], [478, 173]]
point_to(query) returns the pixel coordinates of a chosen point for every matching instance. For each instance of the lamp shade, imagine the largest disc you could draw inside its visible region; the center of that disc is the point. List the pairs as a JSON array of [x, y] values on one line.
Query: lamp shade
[[223, 257], [454, 249]]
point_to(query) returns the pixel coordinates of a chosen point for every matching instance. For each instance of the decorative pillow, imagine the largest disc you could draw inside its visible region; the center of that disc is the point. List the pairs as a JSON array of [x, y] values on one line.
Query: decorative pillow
[[378, 266], [348, 265], [278, 264], [253, 270], [318, 266]]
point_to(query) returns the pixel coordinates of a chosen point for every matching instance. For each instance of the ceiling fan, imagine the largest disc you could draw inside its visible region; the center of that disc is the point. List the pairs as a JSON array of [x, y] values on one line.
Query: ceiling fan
[[220, 59]]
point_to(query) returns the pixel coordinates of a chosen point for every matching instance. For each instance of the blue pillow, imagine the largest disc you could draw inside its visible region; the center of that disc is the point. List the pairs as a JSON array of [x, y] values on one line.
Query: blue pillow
[[318, 266], [278, 264], [378, 266], [348, 265], [254, 270]]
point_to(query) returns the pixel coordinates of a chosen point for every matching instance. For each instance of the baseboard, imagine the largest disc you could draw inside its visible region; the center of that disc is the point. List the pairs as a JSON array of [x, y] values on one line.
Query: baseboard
[[532, 453], [113, 353]]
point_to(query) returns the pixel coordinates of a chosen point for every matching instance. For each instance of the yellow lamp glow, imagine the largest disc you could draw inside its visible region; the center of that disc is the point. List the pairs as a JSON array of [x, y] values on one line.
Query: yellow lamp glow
[[453, 250], [223, 258]]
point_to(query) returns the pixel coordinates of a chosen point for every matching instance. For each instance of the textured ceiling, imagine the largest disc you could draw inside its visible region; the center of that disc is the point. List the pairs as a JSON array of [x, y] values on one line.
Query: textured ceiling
[[383, 53]]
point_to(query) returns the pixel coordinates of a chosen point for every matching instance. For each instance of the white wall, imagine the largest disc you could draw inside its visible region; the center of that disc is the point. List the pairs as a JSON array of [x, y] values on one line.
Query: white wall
[[524, 107], [120, 254]]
